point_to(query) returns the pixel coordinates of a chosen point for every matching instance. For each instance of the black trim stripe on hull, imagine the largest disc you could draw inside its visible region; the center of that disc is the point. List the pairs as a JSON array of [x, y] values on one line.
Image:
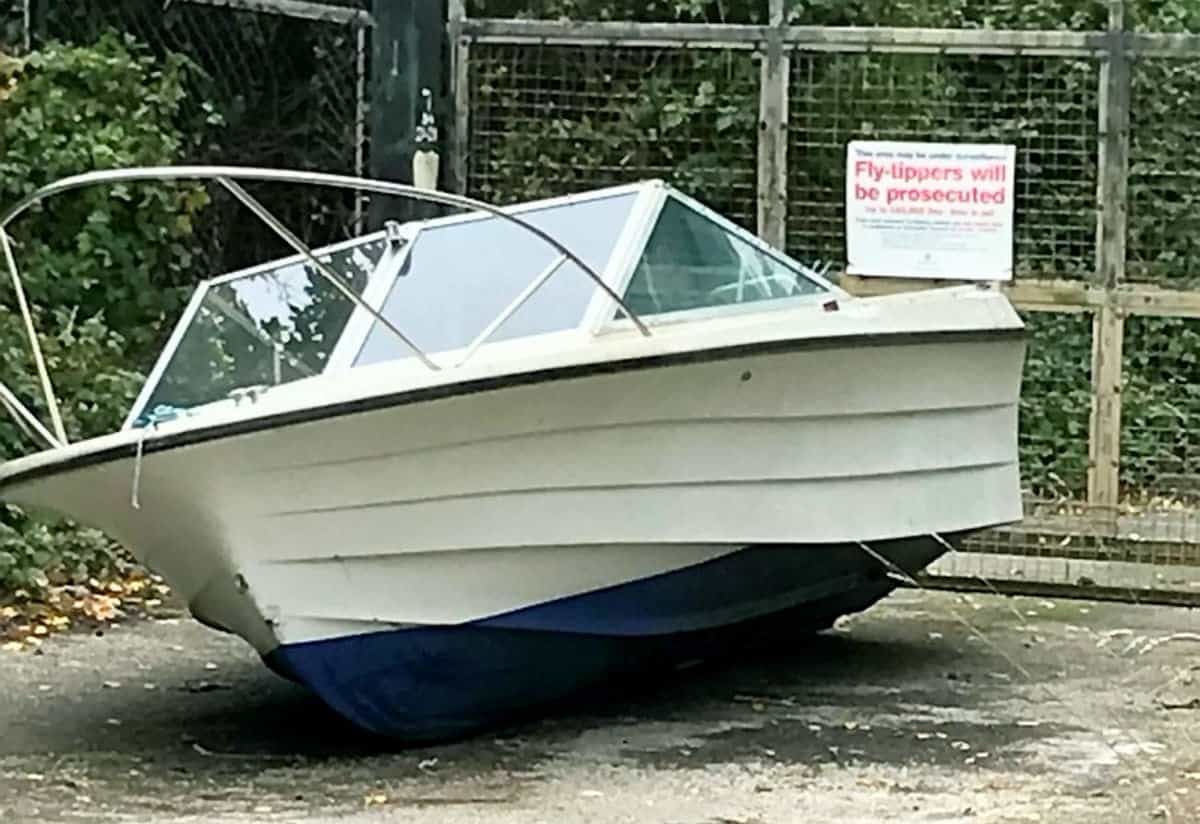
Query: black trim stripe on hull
[[191, 437]]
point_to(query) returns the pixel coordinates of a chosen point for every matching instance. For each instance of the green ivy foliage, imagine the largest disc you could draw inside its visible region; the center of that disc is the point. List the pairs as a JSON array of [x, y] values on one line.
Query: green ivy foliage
[[125, 252], [1056, 402], [1040, 14], [1164, 175], [1160, 397], [690, 118], [106, 269]]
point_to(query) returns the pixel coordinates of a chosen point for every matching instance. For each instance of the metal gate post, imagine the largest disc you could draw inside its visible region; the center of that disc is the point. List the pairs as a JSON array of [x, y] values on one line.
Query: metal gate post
[[407, 55]]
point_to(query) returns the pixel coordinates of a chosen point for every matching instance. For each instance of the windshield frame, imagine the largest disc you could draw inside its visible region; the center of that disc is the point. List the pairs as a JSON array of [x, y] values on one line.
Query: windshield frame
[[196, 302], [623, 256], [600, 313], [608, 321]]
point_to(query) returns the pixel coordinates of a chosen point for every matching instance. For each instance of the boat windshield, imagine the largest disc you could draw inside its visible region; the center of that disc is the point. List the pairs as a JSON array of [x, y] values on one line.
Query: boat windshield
[[267, 326], [446, 284], [460, 275], [449, 285], [693, 261]]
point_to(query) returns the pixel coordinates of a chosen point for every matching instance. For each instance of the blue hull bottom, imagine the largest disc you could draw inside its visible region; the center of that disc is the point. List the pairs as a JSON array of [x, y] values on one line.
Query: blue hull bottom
[[436, 683]]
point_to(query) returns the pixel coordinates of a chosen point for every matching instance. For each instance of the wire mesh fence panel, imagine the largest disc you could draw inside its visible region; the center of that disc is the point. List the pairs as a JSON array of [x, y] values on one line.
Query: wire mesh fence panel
[[1072, 16], [1055, 408], [267, 90], [1046, 106], [647, 11], [1084, 563], [1060, 528], [549, 120], [1150, 548], [1079, 556], [1160, 431], [1163, 244]]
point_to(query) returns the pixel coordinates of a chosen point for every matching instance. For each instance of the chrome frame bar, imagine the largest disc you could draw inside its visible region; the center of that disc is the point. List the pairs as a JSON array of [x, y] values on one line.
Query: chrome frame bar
[[300, 246], [228, 176], [382, 187], [21, 423], [23, 416], [375, 291], [34, 344], [512, 307]]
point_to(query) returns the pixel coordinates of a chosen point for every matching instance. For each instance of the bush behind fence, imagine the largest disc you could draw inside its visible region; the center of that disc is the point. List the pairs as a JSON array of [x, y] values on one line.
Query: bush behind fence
[[551, 117]]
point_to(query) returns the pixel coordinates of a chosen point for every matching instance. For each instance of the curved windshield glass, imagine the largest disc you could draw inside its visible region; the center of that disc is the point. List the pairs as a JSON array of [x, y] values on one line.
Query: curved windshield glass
[[264, 328], [461, 275], [454, 284], [692, 262]]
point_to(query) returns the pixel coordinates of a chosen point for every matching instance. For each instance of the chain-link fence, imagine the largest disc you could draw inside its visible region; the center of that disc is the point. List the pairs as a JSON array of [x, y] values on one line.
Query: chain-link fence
[[273, 89], [547, 119], [1045, 106], [1112, 489]]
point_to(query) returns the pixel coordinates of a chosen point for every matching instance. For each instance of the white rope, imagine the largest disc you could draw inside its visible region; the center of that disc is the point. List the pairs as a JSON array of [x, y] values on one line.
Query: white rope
[[135, 493]]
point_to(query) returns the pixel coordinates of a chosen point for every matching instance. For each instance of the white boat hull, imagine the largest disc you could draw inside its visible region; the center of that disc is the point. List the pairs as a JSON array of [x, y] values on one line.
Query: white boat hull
[[464, 503]]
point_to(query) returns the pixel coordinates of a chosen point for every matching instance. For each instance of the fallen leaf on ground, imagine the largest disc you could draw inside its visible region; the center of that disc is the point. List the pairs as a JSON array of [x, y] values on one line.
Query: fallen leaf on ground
[[101, 608], [26, 616]]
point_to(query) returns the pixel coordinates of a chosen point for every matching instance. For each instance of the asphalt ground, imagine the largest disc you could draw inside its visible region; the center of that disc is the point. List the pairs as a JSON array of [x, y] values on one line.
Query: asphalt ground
[[930, 707]]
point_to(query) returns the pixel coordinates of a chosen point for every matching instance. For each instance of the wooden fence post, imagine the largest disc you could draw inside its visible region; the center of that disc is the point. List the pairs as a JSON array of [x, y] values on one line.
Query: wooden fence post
[[1108, 329], [772, 133]]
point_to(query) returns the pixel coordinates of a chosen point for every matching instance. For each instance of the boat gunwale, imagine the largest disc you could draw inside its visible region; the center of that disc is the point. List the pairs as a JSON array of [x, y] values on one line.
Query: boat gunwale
[[182, 438]]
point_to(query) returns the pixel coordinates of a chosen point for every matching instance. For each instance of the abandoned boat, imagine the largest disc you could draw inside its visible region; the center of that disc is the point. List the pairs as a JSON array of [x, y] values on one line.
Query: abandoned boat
[[450, 472]]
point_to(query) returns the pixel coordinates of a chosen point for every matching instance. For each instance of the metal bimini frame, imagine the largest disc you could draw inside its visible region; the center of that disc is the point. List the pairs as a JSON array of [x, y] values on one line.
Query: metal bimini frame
[[228, 177]]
